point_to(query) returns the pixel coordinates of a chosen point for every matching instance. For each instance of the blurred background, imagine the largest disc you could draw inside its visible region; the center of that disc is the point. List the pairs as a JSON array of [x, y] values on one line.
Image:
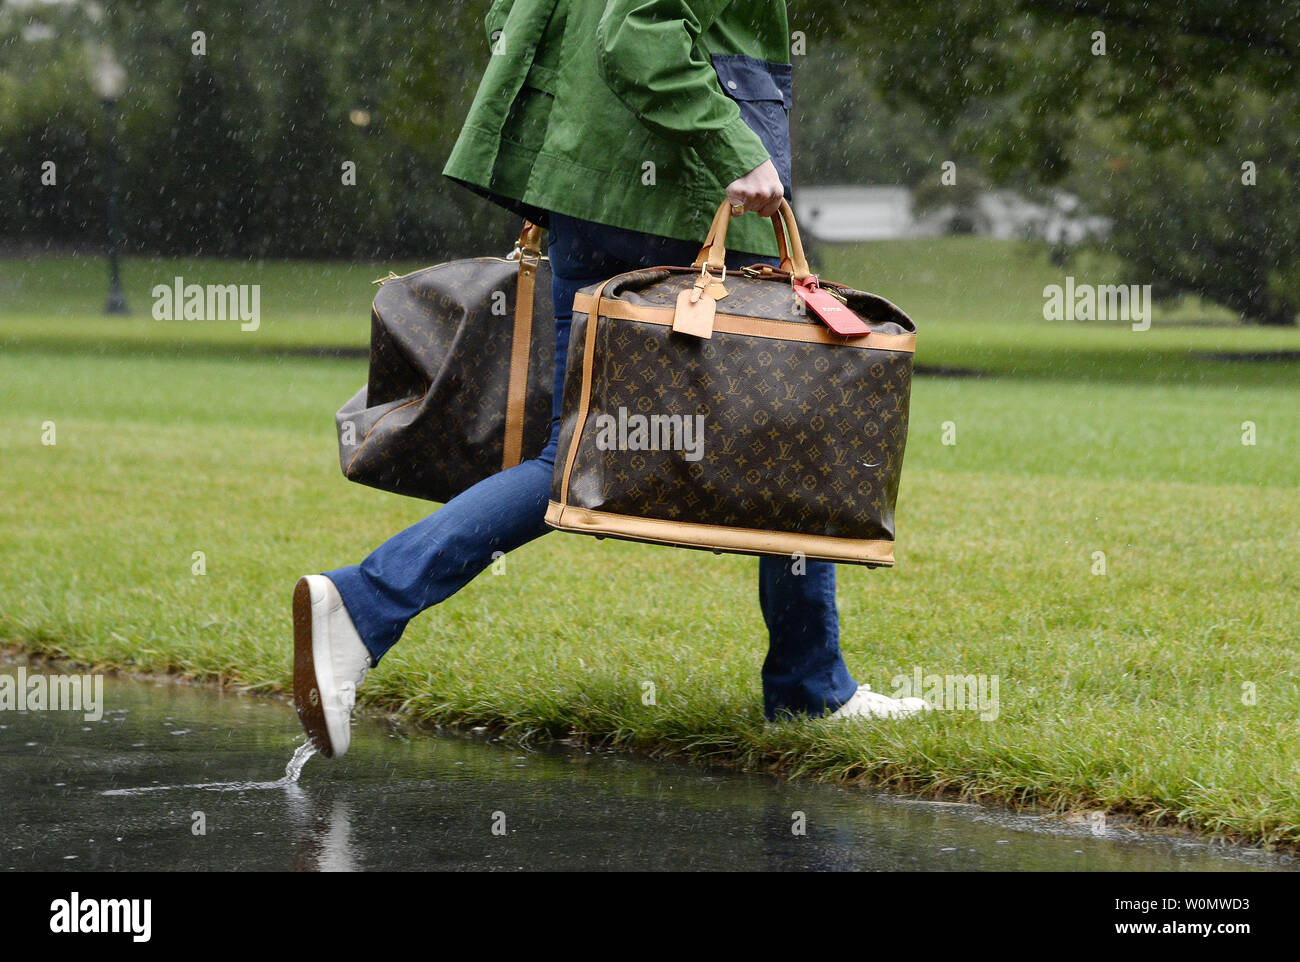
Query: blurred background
[[1121, 125]]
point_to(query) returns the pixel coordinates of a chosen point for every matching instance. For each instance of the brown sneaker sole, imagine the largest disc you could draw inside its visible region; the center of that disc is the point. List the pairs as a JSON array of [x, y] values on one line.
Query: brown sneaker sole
[[306, 695]]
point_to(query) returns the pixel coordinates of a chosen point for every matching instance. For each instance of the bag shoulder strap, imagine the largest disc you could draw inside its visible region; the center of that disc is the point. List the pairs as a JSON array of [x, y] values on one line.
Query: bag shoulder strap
[[529, 249]]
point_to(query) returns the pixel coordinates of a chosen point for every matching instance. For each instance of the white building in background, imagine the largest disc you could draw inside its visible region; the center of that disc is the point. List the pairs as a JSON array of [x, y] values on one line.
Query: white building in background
[[854, 213], [885, 213]]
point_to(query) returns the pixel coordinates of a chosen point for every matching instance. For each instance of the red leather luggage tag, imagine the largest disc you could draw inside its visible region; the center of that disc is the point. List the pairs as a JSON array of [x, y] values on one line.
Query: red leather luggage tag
[[833, 312]]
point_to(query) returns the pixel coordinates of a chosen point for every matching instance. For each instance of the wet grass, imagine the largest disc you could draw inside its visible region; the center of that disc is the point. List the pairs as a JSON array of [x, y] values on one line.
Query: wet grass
[[979, 302], [1165, 688]]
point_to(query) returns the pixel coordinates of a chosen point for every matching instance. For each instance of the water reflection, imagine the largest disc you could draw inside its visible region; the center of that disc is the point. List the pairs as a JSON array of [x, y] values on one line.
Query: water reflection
[[323, 835], [131, 790]]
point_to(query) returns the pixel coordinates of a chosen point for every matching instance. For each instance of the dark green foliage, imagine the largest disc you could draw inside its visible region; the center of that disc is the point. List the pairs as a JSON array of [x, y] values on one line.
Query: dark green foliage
[[240, 151], [1152, 133]]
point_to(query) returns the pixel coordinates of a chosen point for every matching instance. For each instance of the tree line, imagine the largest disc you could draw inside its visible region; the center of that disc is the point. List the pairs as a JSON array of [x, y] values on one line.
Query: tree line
[[303, 128]]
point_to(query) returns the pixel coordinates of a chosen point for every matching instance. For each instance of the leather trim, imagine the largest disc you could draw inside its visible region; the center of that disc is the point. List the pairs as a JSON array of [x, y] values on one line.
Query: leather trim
[[520, 343], [753, 326], [584, 402], [691, 534], [714, 251], [783, 251]]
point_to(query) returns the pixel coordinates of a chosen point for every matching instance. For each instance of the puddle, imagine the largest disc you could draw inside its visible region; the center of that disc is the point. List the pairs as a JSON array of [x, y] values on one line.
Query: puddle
[[292, 772], [173, 777]]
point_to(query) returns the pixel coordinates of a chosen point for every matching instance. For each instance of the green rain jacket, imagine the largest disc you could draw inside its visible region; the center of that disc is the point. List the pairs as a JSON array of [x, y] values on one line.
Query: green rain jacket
[[632, 113]]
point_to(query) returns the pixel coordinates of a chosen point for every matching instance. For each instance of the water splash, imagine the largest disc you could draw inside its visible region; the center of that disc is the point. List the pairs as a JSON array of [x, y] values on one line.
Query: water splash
[[294, 769], [292, 772]]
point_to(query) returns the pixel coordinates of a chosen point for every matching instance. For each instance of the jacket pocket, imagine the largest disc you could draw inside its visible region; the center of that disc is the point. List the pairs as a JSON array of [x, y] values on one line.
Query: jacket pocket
[[543, 78], [529, 116], [762, 90]]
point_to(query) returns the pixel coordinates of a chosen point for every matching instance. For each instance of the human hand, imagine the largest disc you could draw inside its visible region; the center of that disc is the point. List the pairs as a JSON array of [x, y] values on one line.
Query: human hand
[[760, 190]]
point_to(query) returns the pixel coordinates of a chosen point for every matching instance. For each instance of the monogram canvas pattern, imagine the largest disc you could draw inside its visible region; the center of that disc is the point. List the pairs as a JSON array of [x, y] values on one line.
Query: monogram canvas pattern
[[801, 437], [431, 420]]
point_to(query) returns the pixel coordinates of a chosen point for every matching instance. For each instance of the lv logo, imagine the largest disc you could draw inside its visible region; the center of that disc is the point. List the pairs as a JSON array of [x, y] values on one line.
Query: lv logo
[[733, 385], [618, 374]]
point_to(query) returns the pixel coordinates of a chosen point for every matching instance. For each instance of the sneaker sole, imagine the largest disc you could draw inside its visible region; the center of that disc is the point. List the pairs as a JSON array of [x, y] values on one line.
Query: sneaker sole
[[306, 690]]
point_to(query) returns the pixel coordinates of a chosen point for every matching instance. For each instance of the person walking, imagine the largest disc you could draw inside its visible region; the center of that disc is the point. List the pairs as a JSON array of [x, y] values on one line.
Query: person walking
[[617, 126]]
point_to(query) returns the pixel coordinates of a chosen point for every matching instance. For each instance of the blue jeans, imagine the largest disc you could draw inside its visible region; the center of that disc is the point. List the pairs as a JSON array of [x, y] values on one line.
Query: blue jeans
[[803, 673]]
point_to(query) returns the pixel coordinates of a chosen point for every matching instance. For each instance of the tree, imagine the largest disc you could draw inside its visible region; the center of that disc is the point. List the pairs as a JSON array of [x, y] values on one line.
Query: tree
[[1174, 84], [1216, 218], [200, 192], [239, 148]]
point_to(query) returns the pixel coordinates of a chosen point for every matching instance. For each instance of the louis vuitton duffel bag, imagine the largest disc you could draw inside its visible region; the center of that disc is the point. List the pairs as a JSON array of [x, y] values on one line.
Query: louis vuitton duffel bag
[[462, 362], [759, 411]]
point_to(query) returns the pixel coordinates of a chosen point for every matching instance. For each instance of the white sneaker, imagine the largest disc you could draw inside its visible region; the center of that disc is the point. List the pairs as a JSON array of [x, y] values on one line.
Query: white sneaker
[[866, 703], [329, 662]]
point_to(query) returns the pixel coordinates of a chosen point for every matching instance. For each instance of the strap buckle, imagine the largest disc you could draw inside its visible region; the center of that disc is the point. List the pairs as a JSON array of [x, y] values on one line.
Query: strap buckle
[[704, 272], [518, 253]]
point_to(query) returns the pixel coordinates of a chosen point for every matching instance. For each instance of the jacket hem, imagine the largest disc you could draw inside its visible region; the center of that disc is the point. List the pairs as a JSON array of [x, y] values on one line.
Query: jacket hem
[[559, 184]]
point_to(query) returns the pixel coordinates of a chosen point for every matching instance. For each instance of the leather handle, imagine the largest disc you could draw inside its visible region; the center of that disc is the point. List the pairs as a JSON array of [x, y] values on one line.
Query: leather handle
[[722, 217], [714, 252]]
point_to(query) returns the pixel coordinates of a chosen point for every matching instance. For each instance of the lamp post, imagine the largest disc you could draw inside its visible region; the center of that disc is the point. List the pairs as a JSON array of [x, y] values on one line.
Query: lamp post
[[108, 77]]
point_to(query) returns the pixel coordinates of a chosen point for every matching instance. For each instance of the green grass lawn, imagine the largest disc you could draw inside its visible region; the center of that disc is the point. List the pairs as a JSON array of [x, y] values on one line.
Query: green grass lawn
[[1165, 688]]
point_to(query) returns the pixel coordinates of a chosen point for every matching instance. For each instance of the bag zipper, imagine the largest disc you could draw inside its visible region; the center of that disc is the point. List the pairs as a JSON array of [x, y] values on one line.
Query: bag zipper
[[380, 281]]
